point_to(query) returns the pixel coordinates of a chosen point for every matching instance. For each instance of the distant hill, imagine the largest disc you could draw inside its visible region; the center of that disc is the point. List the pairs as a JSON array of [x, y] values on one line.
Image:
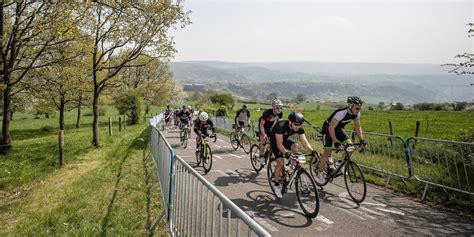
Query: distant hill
[[407, 83]]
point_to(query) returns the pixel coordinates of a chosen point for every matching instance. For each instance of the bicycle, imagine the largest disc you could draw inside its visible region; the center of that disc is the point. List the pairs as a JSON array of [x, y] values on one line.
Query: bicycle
[[306, 191], [184, 135], [205, 152], [166, 122], [255, 154], [353, 177], [240, 139]]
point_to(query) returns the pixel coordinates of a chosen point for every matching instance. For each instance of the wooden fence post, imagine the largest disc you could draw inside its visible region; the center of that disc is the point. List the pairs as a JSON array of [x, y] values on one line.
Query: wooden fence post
[[110, 126]]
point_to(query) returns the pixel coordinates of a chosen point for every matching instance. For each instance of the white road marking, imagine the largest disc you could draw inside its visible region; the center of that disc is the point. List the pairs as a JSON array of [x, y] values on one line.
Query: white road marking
[[217, 146], [220, 140], [262, 222], [230, 171], [233, 155], [342, 197], [374, 204], [391, 211], [218, 157], [324, 220]]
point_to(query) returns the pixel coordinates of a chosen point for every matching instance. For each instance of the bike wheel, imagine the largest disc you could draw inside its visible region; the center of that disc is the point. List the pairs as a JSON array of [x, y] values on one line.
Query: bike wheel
[[246, 143], [307, 194], [316, 172], [254, 151], [198, 156], [271, 180], [355, 182], [207, 160], [233, 141], [185, 139]]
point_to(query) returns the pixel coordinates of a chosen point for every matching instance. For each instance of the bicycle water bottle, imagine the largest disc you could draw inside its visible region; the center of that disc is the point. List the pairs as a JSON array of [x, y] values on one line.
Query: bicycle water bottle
[[330, 161], [290, 168]]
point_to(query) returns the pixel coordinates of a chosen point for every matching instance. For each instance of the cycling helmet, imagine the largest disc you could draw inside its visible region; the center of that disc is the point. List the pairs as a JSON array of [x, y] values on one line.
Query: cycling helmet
[[277, 103], [244, 106], [184, 106], [296, 117], [355, 100], [203, 116]]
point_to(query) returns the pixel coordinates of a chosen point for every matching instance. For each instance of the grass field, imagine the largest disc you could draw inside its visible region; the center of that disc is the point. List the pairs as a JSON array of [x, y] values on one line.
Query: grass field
[[433, 124], [107, 191]]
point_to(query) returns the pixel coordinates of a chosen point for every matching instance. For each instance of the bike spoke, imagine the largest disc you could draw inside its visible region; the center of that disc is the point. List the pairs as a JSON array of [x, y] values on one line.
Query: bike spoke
[[307, 194]]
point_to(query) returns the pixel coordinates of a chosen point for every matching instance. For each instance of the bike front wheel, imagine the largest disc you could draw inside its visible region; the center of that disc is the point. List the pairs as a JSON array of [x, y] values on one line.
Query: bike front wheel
[[246, 143], [355, 182], [185, 139], [307, 194], [198, 155], [317, 172], [254, 153], [233, 141], [207, 159]]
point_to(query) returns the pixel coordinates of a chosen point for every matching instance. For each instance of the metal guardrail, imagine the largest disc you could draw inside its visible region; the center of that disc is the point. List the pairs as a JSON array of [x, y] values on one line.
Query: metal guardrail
[[441, 163], [182, 190]]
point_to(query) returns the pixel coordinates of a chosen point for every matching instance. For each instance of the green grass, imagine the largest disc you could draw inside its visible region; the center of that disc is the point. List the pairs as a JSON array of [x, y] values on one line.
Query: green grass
[[107, 191]]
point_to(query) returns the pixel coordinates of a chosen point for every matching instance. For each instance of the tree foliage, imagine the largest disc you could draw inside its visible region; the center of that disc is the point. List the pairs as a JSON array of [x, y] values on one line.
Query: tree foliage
[[130, 104], [464, 67]]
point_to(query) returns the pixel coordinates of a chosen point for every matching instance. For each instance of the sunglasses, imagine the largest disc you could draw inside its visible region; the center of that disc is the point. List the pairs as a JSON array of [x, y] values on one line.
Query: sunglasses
[[277, 107], [297, 124], [357, 108]]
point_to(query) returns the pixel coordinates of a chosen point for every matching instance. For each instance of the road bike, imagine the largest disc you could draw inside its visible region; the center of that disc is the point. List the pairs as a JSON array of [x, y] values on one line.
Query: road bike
[[353, 176], [184, 134], [255, 155], [239, 139], [294, 173], [204, 154]]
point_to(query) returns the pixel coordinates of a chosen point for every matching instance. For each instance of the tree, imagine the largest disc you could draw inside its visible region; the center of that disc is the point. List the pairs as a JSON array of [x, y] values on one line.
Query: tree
[[398, 106], [131, 104], [272, 96], [26, 37], [226, 100], [122, 32], [300, 98], [467, 59]]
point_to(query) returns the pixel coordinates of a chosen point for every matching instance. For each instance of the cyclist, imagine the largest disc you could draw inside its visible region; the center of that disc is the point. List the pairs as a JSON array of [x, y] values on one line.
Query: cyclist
[[266, 122], [242, 117], [184, 116], [168, 113], [191, 112], [283, 147], [333, 130], [200, 128], [176, 117]]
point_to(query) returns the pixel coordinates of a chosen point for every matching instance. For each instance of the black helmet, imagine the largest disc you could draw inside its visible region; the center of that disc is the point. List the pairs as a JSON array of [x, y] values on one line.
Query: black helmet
[[355, 100], [244, 106], [296, 117]]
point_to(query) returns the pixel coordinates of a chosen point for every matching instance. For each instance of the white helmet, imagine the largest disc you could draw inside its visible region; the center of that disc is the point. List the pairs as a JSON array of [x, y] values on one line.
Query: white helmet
[[203, 116]]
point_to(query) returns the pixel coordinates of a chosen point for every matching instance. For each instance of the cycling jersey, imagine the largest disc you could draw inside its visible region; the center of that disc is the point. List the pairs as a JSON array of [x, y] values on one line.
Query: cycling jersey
[[343, 116], [184, 116], [269, 118], [283, 128], [203, 126], [242, 115]]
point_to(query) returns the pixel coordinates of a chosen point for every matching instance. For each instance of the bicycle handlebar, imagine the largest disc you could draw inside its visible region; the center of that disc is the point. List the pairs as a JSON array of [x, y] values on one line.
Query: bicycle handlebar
[[210, 136], [348, 147]]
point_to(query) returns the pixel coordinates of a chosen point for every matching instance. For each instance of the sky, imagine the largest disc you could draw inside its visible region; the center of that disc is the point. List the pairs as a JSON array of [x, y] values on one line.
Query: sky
[[325, 31]]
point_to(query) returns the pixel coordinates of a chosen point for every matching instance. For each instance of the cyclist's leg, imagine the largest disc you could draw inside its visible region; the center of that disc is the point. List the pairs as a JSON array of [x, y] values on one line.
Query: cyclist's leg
[[327, 143], [262, 145], [198, 142]]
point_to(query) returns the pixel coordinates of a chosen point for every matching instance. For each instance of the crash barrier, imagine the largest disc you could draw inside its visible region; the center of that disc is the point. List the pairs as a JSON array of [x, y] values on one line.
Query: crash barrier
[[193, 206]]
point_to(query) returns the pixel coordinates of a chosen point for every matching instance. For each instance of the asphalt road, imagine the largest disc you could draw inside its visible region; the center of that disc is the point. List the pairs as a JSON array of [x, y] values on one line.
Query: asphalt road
[[383, 213]]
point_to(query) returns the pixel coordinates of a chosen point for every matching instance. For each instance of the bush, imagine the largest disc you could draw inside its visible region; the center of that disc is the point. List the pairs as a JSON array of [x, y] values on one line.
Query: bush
[[130, 104], [47, 128], [102, 112], [222, 111], [398, 106]]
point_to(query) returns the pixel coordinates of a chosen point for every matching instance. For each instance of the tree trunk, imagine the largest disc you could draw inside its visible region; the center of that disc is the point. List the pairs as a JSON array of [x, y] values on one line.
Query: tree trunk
[[5, 146], [95, 122], [78, 120], [11, 115], [61, 147], [61, 114]]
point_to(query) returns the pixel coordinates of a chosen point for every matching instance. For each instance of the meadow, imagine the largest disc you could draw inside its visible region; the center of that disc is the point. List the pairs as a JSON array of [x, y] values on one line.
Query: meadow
[[105, 191]]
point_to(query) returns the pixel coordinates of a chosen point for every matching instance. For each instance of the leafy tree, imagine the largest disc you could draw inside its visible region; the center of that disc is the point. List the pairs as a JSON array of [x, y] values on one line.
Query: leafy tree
[[467, 59], [272, 96], [130, 104], [122, 32], [226, 100], [300, 98], [27, 36]]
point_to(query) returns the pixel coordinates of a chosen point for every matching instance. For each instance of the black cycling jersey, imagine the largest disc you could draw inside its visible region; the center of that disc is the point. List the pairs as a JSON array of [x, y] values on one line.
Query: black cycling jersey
[[269, 118], [282, 127], [203, 126], [184, 116], [343, 115]]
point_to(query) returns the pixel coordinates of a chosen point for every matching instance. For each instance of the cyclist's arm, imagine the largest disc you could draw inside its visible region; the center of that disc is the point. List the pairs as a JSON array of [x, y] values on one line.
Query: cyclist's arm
[[262, 129], [358, 130], [332, 132], [305, 142], [279, 142], [235, 119], [196, 128], [211, 124]]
